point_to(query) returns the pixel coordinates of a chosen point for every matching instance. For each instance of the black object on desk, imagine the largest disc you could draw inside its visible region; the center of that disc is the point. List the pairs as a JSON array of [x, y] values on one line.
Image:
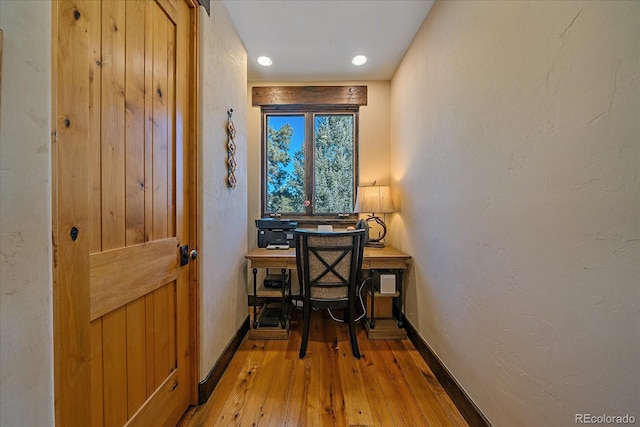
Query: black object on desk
[[275, 233]]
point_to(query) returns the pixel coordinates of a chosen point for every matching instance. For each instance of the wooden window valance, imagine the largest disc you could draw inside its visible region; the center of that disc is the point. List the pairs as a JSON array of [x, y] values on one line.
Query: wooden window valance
[[264, 96]]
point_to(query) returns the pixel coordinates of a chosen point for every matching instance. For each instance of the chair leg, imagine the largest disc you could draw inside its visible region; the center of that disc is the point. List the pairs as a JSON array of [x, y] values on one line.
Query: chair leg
[[352, 333], [305, 329]]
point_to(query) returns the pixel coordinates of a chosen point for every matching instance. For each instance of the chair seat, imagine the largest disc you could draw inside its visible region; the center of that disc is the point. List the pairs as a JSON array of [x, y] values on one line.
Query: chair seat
[[329, 293]]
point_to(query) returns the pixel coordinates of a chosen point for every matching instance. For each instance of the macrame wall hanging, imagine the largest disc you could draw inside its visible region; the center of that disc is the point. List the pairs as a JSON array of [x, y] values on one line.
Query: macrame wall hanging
[[231, 151]]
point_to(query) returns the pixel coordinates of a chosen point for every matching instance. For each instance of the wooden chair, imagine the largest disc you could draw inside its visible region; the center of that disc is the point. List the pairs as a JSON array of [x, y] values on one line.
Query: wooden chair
[[328, 264]]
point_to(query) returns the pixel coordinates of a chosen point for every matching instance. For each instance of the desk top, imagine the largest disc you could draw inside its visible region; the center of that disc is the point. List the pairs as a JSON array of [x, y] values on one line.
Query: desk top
[[374, 258]]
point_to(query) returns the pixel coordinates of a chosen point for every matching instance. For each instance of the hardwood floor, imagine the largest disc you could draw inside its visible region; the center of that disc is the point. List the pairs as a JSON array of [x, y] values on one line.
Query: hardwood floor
[[267, 385]]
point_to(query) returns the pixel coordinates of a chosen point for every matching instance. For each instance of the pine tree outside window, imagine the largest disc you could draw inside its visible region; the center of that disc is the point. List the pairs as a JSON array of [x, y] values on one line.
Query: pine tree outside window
[[310, 157]]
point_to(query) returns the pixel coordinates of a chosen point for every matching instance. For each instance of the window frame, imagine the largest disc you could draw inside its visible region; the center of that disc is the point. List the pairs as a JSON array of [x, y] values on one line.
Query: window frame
[[275, 98], [310, 112]]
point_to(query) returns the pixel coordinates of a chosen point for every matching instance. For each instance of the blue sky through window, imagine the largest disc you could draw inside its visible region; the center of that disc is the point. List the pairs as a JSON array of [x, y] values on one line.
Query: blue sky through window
[[297, 123]]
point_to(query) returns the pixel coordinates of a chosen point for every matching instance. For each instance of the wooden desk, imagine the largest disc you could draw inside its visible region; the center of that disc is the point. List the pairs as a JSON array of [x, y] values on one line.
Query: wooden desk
[[374, 258], [387, 258]]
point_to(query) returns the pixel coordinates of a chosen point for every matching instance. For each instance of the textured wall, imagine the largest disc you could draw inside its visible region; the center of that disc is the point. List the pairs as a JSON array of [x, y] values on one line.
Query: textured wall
[[222, 211], [515, 159], [26, 342]]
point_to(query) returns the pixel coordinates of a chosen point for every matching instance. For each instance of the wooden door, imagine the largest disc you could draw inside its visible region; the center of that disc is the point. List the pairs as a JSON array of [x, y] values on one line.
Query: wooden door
[[123, 78]]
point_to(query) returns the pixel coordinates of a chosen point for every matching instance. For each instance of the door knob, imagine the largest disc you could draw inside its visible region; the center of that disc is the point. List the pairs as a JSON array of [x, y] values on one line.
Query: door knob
[[193, 255]]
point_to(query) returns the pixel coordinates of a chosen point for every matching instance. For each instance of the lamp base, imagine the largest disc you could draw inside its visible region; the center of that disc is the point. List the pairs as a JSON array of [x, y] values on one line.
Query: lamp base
[[379, 241], [375, 244]]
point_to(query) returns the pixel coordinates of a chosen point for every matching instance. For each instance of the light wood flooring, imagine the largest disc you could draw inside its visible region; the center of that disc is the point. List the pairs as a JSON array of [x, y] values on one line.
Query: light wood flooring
[[266, 383]]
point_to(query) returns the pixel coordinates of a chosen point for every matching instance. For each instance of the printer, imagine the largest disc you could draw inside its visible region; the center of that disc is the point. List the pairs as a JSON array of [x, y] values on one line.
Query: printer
[[275, 233]]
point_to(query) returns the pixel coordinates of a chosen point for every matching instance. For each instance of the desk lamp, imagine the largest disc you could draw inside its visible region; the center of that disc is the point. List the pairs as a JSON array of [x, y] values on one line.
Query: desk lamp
[[375, 199]]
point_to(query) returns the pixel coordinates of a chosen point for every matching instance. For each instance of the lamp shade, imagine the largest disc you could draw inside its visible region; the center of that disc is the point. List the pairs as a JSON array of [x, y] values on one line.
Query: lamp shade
[[374, 199]]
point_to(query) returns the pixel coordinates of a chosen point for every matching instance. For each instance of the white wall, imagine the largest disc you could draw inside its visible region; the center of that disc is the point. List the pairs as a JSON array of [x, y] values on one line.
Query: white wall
[[222, 210], [515, 159], [26, 334]]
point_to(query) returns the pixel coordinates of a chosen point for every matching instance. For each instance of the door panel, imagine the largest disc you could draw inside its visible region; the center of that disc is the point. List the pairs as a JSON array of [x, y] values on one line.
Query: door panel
[[122, 275], [132, 110], [134, 277], [135, 142]]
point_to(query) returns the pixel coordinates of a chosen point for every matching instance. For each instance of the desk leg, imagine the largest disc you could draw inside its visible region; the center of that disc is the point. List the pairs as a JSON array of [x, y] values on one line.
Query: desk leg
[[400, 300], [372, 319], [284, 291], [255, 298]]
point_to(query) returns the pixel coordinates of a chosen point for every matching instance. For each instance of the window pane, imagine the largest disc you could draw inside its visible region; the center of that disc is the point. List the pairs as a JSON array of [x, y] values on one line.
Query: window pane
[[333, 147], [285, 163]]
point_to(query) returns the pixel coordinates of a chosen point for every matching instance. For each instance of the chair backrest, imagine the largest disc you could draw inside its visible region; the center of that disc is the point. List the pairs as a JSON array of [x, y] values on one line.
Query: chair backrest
[[328, 263]]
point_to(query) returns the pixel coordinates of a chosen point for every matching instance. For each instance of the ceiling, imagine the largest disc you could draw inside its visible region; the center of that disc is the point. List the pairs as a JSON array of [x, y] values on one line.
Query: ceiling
[[315, 40]]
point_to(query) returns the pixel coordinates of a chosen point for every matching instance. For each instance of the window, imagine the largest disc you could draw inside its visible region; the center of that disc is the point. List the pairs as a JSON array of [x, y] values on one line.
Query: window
[[310, 163], [309, 158]]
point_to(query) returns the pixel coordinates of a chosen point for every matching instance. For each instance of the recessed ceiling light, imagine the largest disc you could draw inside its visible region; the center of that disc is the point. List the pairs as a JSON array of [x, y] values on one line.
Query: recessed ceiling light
[[359, 60], [265, 61]]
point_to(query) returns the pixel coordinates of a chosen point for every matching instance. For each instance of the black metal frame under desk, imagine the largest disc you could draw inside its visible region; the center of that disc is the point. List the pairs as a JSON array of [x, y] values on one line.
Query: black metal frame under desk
[[386, 258]]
